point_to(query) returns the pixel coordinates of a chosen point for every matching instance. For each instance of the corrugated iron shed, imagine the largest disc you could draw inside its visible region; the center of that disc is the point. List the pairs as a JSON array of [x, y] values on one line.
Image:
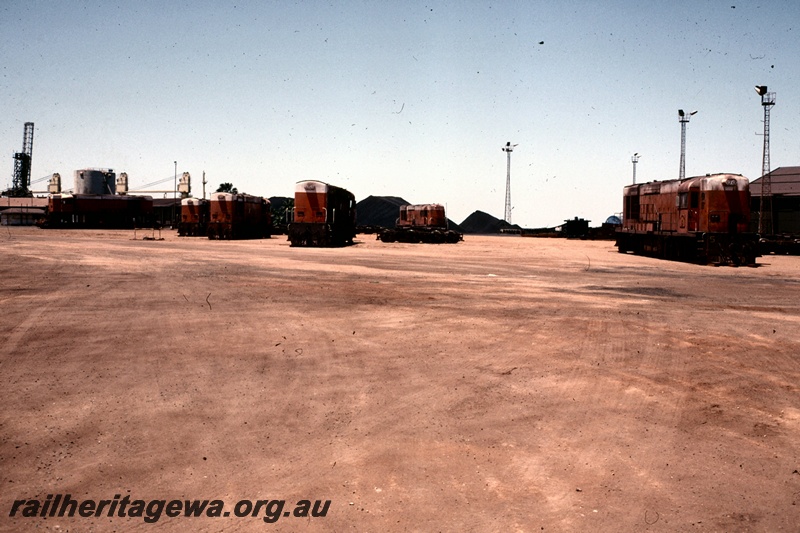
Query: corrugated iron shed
[[784, 180]]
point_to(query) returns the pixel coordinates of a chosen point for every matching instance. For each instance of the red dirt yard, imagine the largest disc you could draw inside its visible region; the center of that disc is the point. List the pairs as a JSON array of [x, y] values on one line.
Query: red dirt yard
[[500, 384]]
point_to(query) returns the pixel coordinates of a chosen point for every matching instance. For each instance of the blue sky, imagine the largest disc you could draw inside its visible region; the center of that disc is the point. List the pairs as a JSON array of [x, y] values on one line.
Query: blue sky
[[411, 99]]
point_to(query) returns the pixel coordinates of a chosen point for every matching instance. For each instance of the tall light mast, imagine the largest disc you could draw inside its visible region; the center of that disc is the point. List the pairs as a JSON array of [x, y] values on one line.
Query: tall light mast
[[683, 118], [765, 206], [508, 148], [634, 160]]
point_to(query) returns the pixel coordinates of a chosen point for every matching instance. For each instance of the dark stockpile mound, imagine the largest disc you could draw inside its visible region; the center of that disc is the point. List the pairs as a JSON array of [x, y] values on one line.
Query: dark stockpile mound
[[480, 222], [379, 211], [278, 202]]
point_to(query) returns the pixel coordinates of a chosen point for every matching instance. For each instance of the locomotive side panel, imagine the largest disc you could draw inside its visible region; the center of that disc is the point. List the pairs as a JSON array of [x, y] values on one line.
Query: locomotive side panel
[[99, 211], [341, 216]]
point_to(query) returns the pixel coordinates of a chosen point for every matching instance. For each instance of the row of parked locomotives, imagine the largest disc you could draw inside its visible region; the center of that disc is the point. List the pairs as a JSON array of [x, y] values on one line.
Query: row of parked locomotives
[[233, 216], [703, 219], [421, 223], [98, 211], [323, 215]]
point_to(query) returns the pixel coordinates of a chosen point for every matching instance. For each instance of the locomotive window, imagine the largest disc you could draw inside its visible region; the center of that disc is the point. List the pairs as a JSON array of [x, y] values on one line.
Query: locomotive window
[[694, 200], [714, 218], [683, 200]]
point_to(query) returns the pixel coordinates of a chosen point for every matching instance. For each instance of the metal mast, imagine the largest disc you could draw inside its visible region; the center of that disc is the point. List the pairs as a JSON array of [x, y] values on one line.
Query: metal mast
[[683, 118], [765, 206], [22, 164], [634, 160], [508, 148]]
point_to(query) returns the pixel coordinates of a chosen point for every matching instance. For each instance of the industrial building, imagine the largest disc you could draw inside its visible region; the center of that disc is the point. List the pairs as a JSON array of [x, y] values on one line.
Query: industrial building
[[21, 211], [785, 187]]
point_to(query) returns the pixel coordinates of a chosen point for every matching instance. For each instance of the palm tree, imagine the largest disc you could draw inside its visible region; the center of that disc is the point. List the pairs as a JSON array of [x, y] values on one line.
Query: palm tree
[[227, 187]]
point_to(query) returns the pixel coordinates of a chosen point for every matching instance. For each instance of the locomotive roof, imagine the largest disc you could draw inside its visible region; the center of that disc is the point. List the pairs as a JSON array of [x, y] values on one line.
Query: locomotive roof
[[103, 196], [710, 181], [231, 196], [318, 187], [421, 206], [189, 201]]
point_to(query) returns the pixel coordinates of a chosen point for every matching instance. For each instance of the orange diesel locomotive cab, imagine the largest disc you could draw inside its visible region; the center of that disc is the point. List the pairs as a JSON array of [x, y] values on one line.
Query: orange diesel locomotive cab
[[704, 219], [323, 215], [194, 217], [427, 215], [239, 216], [421, 223]]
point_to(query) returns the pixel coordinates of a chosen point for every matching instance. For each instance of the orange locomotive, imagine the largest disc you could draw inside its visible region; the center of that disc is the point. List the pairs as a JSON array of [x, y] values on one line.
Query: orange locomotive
[[704, 219], [324, 215], [98, 211], [239, 216], [194, 217], [421, 223]]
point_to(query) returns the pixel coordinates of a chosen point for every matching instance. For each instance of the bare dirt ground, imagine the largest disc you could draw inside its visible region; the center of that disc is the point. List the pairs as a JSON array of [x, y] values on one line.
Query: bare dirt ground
[[501, 384]]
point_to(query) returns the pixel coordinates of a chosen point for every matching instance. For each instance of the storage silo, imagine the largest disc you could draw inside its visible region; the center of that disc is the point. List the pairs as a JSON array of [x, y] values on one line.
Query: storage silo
[[95, 181], [122, 183]]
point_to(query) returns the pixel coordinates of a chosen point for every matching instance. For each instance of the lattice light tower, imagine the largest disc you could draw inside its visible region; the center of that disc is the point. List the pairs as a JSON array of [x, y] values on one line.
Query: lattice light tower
[[765, 206], [22, 164], [634, 160], [683, 118], [508, 148]]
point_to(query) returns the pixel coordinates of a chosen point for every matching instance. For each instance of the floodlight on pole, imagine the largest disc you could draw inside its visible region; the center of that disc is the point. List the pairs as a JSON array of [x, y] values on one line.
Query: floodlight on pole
[[508, 148], [683, 118], [635, 159], [765, 204]]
